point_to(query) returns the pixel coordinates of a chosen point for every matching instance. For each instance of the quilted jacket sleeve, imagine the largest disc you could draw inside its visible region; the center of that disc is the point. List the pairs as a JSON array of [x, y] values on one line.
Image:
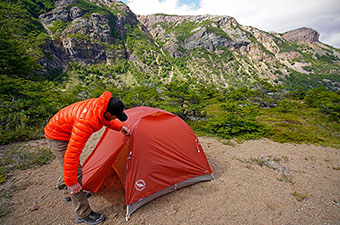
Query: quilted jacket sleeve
[[81, 132], [114, 125]]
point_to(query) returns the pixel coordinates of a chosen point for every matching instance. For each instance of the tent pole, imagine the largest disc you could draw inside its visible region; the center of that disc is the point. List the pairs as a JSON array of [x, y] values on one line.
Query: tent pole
[[127, 217]]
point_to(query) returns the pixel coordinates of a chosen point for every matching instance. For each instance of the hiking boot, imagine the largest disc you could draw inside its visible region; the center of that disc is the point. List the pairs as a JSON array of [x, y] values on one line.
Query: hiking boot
[[87, 194], [67, 198], [92, 219], [66, 195]]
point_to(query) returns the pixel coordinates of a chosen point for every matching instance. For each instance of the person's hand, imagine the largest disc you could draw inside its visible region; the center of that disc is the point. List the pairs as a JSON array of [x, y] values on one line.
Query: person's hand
[[125, 131], [76, 188]]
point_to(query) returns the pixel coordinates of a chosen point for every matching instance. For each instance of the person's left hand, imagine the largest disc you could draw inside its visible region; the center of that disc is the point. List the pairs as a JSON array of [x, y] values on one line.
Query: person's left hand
[[125, 131], [76, 188]]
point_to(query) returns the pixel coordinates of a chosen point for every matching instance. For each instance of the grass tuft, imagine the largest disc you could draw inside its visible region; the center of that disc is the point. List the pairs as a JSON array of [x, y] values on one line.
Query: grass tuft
[[4, 211], [298, 196], [21, 158]]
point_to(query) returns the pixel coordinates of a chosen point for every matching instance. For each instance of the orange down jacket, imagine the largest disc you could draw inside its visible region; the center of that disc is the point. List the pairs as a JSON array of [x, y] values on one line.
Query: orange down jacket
[[75, 124]]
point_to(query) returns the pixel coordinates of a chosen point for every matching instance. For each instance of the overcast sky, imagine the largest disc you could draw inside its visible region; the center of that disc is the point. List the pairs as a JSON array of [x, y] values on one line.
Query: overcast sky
[[268, 15]]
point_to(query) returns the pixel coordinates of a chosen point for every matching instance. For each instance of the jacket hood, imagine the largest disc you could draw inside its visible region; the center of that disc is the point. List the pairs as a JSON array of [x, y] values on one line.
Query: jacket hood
[[104, 98]]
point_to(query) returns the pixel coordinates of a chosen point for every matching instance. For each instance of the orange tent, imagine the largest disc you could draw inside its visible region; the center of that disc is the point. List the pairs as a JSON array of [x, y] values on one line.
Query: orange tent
[[161, 155]]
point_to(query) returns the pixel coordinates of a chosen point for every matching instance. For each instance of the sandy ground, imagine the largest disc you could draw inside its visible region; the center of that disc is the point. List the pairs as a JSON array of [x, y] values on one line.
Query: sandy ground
[[296, 184]]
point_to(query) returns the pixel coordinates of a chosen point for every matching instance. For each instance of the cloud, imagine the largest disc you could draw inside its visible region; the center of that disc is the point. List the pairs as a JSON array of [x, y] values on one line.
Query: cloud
[[333, 38], [267, 15], [144, 7]]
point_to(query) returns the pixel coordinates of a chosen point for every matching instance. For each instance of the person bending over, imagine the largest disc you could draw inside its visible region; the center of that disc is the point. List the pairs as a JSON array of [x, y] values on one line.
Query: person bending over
[[68, 131]]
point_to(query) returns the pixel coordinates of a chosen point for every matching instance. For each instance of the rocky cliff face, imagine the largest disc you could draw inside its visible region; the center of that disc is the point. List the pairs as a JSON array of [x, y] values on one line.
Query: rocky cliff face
[[255, 53], [304, 35], [81, 35], [162, 48], [201, 36]]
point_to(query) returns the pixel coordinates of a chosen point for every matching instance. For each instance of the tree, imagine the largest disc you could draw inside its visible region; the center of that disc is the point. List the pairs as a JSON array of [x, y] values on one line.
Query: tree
[[185, 99]]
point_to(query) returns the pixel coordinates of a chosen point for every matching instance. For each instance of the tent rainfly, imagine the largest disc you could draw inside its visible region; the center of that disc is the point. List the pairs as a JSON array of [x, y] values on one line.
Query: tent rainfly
[[161, 155]]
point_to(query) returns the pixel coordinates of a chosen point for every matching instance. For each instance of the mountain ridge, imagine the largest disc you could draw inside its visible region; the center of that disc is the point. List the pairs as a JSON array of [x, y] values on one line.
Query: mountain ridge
[[214, 49], [82, 41]]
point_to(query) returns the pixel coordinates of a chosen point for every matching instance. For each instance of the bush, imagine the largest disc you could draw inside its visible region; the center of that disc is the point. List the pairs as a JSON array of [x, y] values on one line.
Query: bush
[[287, 106], [26, 107], [21, 35], [327, 101], [237, 119], [17, 135], [185, 100], [229, 125]]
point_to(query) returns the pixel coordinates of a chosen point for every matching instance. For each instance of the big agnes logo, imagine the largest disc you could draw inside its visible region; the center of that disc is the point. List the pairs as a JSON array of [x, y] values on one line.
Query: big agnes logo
[[140, 185]]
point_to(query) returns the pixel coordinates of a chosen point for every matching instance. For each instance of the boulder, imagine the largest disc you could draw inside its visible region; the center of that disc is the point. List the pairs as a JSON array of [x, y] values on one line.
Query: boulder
[[304, 34]]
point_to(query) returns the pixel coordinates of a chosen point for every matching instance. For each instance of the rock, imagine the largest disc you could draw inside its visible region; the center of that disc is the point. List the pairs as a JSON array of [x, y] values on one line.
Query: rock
[[75, 12], [270, 163], [84, 39], [34, 208], [200, 36], [305, 35], [96, 27], [172, 47], [336, 202], [56, 57], [64, 3], [61, 12], [265, 38]]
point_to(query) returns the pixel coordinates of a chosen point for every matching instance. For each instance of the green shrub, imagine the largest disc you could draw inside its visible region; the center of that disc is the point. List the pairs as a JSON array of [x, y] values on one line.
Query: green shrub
[[26, 107], [57, 27], [327, 101], [286, 46], [287, 106], [218, 32], [298, 94], [21, 35], [16, 135], [229, 125], [183, 31], [236, 120]]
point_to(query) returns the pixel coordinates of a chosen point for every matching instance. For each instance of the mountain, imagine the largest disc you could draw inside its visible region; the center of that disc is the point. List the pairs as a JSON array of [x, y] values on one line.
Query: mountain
[[132, 49], [234, 53], [56, 52]]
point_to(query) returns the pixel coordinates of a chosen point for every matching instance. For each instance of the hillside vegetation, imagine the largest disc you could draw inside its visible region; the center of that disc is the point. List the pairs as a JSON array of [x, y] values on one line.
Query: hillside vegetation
[[224, 79]]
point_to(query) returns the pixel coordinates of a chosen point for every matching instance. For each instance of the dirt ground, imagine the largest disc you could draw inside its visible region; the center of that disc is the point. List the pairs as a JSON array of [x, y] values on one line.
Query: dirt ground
[[256, 182]]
